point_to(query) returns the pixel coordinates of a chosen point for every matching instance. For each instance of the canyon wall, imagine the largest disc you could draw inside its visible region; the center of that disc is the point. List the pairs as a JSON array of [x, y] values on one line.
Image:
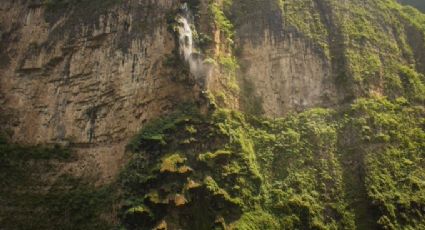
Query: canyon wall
[[90, 76], [93, 76], [310, 117], [87, 75]]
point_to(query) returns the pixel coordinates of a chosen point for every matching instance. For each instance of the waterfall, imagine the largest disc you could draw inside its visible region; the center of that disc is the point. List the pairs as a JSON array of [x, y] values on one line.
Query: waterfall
[[187, 47], [185, 34]]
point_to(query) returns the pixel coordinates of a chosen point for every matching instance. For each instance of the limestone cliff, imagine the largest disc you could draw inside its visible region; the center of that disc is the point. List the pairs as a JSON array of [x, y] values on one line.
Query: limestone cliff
[[212, 114], [91, 74], [69, 74]]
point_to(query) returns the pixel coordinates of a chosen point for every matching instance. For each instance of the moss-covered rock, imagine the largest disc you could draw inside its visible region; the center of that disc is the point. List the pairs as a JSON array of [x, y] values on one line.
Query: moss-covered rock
[[36, 193], [289, 173]]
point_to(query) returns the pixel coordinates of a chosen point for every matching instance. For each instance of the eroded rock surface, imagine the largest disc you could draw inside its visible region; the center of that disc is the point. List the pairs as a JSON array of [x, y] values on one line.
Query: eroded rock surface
[[87, 81]]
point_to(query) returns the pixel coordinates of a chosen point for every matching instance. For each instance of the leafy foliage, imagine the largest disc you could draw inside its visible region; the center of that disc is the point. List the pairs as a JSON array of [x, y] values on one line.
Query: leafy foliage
[[355, 36], [30, 200], [221, 20], [392, 141], [288, 173]]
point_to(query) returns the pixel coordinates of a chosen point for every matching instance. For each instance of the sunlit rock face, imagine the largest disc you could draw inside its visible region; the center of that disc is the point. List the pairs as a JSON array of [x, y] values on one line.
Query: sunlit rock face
[[287, 74], [90, 77], [170, 106], [285, 70], [70, 75], [87, 77]]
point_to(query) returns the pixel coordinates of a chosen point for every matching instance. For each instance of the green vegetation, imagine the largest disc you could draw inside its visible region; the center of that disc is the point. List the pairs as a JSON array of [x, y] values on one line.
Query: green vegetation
[[154, 132], [391, 141], [221, 20], [356, 37], [229, 67], [289, 173], [34, 194], [172, 175], [357, 166], [305, 16], [413, 84], [219, 13]]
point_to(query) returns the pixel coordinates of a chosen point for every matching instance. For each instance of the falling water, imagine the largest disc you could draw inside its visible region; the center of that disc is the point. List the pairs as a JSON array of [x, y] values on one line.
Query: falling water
[[185, 33], [187, 46]]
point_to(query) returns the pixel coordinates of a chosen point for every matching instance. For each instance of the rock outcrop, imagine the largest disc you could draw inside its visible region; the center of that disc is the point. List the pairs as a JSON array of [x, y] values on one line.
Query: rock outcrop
[[211, 114], [87, 80], [88, 77]]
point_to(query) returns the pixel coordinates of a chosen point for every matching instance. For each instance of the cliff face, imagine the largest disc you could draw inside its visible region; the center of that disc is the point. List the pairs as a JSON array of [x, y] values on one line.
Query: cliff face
[[69, 74], [286, 71], [212, 114], [91, 74], [324, 53]]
